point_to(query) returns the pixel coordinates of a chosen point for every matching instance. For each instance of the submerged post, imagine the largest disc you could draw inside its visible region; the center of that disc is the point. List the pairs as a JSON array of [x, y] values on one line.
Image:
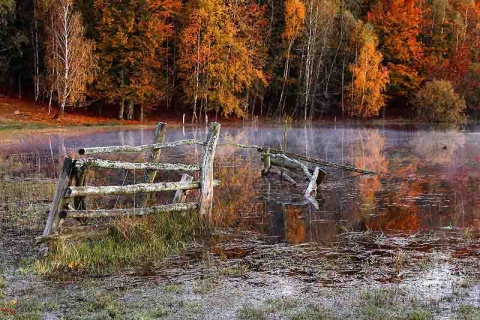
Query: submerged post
[[266, 160], [206, 177]]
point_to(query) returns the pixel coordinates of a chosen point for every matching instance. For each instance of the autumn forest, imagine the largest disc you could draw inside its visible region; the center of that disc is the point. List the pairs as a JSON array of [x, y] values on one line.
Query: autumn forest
[[242, 58]]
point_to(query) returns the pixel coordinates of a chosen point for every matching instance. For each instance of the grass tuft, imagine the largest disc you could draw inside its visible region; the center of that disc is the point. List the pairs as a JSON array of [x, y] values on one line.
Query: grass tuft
[[128, 243], [248, 312]]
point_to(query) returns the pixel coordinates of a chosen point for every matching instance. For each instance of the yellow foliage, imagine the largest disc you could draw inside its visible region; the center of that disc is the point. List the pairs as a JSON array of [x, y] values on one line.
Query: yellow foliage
[[294, 19], [222, 54], [369, 78]]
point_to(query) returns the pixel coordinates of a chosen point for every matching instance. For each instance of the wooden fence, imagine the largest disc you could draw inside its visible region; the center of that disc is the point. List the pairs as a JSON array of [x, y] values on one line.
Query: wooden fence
[[69, 199]]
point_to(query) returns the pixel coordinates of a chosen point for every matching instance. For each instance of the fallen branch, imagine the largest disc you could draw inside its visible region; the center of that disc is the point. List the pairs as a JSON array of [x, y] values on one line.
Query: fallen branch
[[302, 158]]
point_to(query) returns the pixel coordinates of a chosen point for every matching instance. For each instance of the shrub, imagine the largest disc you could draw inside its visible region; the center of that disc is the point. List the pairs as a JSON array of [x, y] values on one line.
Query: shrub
[[437, 101]]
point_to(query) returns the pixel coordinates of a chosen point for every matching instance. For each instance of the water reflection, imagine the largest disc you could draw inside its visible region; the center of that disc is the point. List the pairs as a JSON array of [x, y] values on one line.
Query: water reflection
[[428, 179]]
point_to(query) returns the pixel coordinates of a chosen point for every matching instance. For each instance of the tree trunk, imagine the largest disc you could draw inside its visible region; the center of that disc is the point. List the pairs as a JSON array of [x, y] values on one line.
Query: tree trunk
[[141, 113], [130, 109], [122, 109]]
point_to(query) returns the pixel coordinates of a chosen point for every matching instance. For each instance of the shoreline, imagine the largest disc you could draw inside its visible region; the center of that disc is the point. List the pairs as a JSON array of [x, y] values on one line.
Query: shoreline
[[19, 115]]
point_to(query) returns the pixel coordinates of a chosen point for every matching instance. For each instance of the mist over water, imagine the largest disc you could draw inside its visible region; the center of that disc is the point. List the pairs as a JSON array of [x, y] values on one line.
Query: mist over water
[[428, 178]]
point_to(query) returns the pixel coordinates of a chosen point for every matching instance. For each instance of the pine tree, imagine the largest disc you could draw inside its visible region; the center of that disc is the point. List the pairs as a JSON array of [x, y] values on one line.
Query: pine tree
[[132, 38]]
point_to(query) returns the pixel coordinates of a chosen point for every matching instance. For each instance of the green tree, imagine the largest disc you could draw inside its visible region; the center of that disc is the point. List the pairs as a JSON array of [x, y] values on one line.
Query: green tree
[[11, 40], [437, 101]]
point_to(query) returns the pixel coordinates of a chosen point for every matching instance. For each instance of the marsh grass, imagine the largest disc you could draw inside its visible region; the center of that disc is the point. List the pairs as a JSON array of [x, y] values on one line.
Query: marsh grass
[[467, 311], [24, 201], [128, 243], [384, 304], [250, 312]]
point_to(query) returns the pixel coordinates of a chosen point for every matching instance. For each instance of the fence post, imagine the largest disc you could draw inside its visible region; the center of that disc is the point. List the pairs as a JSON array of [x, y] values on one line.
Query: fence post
[[58, 205], [160, 133], [80, 181], [181, 195], [206, 177]]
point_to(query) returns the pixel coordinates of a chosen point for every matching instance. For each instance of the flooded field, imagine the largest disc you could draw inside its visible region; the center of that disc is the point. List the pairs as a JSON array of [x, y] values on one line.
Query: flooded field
[[402, 244]]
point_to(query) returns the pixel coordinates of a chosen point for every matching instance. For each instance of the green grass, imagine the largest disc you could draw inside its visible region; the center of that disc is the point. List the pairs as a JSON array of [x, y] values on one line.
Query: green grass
[[248, 312], [203, 286], [283, 303], [313, 312], [28, 307], [468, 312], [234, 271], [3, 281], [173, 288], [130, 242], [24, 126], [390, 304]]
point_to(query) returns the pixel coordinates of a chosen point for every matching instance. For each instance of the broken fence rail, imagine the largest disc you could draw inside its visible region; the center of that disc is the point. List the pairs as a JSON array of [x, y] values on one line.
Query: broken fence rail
[[302, 158]]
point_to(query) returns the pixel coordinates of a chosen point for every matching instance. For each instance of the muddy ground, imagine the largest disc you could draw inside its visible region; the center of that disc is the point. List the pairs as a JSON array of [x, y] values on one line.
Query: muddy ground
[[239, 275]]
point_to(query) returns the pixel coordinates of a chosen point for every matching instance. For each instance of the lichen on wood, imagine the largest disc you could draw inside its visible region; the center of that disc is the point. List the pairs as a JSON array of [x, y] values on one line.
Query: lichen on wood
[[110, 164], [119, 149], [176, 207], [206, 176], [132, 189]]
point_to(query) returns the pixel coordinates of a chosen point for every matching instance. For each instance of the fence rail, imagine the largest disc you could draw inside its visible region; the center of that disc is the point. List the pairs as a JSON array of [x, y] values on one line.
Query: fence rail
[[120, 149]]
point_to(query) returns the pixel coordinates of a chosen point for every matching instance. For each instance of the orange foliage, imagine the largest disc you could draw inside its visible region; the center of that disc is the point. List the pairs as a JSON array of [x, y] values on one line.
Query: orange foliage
[[222, 53], [294, 19], [398, 23], [370, 79], [132, 36]]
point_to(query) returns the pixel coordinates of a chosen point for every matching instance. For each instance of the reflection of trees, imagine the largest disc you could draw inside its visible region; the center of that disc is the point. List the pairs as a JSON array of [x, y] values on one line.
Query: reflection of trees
[[296, 230], [369, 153], [416, 194], [437, 147], [235, 199], [385, 201]]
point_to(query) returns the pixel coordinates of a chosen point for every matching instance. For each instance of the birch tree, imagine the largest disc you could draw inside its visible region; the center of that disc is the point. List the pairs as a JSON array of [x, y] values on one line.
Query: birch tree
[[319, 31], [294, 23], [70, 60]]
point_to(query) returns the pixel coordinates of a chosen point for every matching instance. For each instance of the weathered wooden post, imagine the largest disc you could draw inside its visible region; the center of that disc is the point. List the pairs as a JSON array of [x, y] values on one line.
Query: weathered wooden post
[[160, 133], [181, 195], [80, 181], [57, 209], [206, 176]]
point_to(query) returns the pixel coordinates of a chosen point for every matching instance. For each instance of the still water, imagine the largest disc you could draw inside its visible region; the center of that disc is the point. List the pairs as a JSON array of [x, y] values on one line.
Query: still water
[[428, 178]]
